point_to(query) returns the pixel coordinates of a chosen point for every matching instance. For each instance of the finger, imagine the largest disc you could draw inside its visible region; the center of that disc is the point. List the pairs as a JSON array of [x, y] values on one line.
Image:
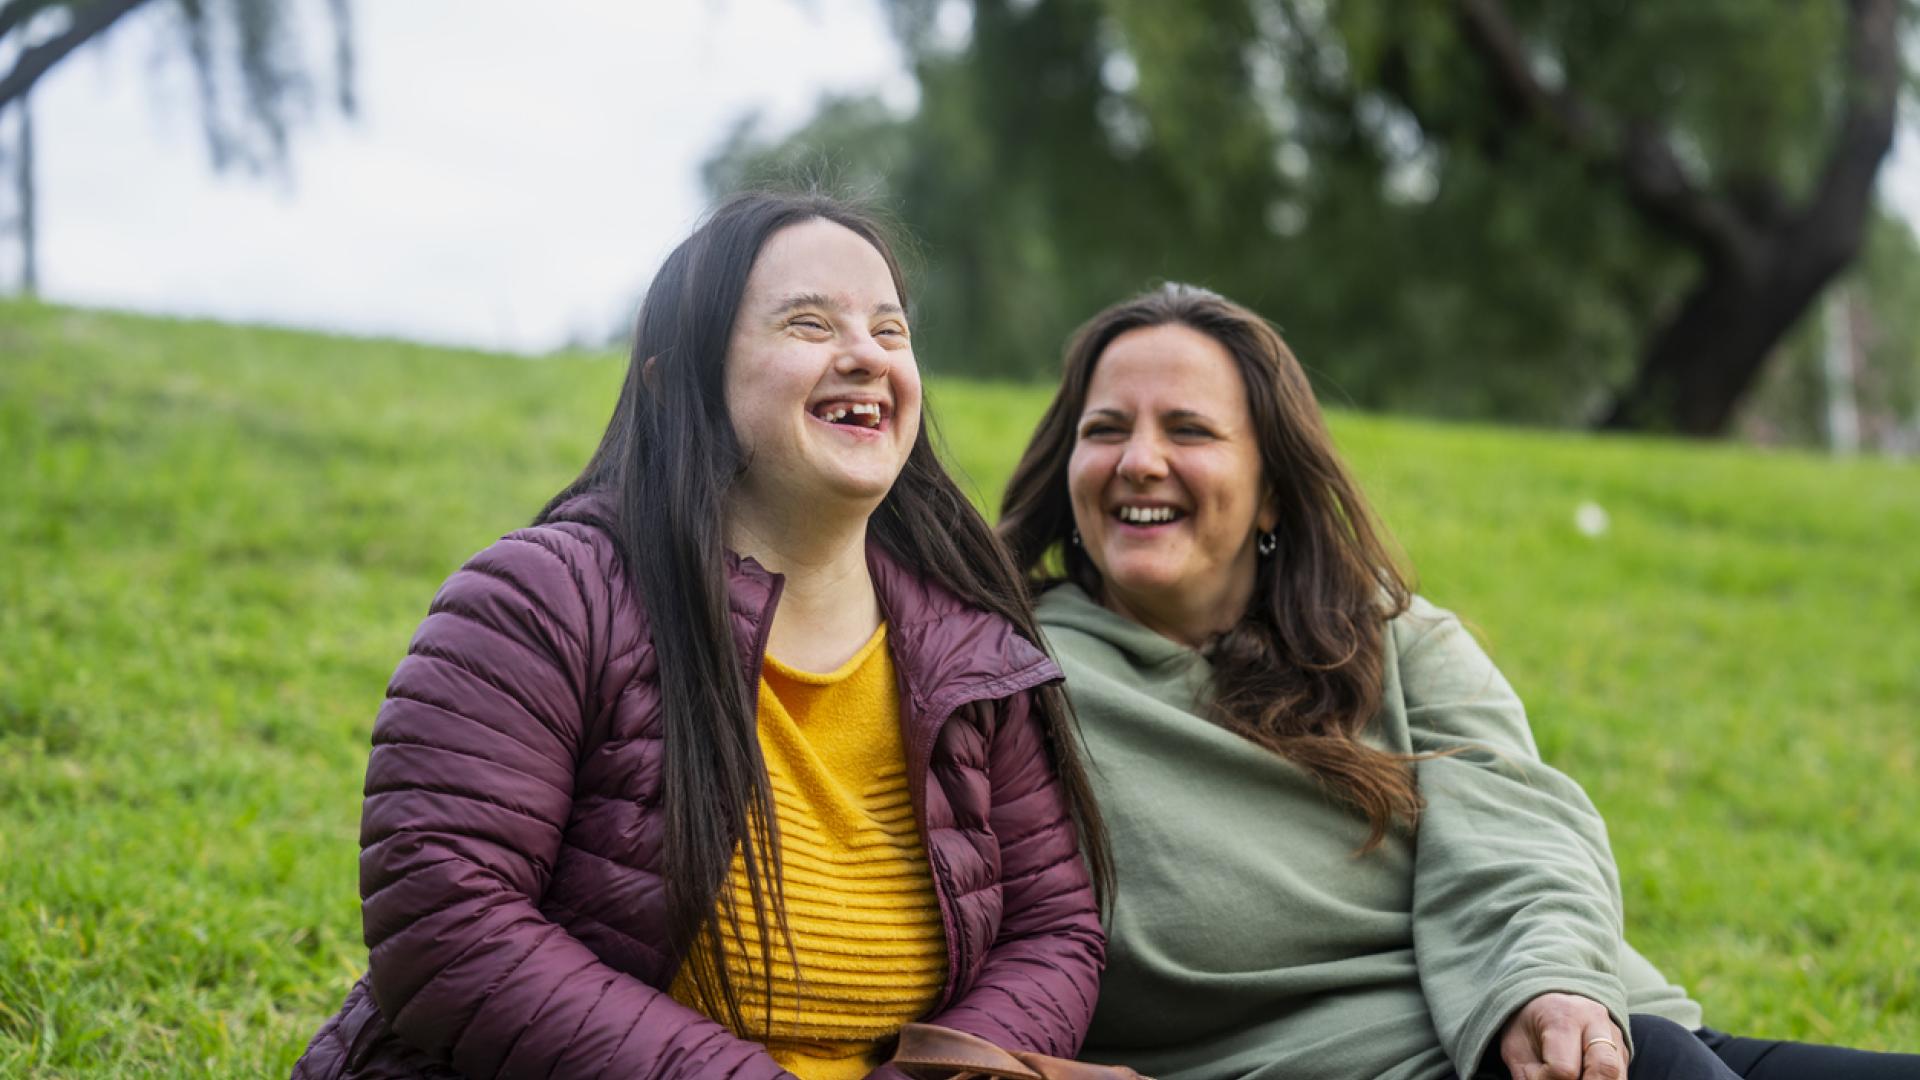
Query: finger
[[1604, 1061], [1603, 1053], [1517, 1048], [1560, 1048]]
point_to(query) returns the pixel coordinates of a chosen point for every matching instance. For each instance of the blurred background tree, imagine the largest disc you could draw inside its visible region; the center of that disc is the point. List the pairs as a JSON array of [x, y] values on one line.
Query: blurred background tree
[[1553, 211], [252, 74]]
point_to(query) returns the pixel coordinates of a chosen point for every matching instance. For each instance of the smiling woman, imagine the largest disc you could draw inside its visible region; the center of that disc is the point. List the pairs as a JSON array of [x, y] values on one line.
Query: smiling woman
[[743, 756], [1339, 852], [825, 400], [1166, 475]]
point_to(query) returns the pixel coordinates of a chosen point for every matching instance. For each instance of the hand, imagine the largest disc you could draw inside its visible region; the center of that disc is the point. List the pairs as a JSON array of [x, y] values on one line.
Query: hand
[[1552, 1038]]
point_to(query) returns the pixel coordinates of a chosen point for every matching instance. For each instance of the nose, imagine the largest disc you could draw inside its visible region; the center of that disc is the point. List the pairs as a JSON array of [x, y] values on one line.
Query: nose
[[1142, 460], [863, 358]]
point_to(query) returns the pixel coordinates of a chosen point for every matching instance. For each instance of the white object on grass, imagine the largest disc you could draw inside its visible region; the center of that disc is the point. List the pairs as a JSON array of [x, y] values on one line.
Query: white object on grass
[[1591, 519]]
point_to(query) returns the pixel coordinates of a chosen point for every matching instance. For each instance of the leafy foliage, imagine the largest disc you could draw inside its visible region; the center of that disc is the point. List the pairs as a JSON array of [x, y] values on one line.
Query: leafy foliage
[[1347, 167], [255, 80]]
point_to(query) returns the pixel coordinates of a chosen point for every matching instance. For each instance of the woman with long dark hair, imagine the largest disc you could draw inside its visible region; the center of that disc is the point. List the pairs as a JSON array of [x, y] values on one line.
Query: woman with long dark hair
[[1338, 853], [743, 755]]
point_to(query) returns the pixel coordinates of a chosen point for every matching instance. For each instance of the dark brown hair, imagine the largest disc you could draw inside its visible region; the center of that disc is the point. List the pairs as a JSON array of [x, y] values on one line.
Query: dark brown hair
[[1301, 672], [667, 461]]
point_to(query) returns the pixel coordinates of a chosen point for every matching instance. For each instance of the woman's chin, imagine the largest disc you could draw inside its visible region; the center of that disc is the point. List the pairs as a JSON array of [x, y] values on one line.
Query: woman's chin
[[1147, 588], [850, 494], [821, 501]]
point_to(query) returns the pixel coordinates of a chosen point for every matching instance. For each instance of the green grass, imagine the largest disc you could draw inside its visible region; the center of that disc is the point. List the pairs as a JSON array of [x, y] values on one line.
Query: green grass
[[215, 542]]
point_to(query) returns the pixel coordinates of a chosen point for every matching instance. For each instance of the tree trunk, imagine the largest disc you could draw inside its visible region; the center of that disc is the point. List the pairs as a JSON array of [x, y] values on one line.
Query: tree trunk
[[1761, 269], [23, 180], [1700, 363], [1838, 367]]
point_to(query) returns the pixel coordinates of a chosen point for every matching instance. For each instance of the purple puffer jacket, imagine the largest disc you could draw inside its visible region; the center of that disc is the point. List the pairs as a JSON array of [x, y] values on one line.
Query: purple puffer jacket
[[509, 864]]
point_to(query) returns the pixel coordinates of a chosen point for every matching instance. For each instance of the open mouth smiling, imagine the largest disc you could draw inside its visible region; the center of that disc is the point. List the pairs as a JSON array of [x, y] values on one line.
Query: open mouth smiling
[[845, 412], [1159, 514]]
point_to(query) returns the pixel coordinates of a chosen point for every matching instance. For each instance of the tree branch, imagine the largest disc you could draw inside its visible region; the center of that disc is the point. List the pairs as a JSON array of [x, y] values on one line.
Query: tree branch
[[1637, 154], [1707, 356], [88, 21], [1834, 217]]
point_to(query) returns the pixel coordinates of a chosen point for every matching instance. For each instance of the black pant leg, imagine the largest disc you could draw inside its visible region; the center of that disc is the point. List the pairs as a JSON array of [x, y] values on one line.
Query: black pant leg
[[1663, 1050], [1773, 1059]]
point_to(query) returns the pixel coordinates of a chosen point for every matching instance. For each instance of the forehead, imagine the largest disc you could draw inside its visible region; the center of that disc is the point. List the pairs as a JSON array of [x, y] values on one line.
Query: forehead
[[821, 258], [1169, 367]]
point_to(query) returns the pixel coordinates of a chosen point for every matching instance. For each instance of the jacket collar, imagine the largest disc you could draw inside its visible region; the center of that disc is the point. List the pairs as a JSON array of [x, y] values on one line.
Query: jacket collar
[[948, 651]]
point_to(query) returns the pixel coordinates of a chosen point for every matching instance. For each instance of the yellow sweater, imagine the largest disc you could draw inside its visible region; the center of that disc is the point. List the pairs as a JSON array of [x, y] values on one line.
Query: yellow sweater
[[864, 920]]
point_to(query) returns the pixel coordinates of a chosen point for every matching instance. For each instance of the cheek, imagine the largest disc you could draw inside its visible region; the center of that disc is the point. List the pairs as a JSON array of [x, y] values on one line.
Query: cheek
[[1086, 477], [906, 398], [906, 373], [1232, 490], [751, 416], [750, 383]]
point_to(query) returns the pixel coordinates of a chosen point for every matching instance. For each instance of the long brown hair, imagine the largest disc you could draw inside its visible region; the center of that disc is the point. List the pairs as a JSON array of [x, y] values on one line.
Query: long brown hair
[[1301, 672], [665, 464]]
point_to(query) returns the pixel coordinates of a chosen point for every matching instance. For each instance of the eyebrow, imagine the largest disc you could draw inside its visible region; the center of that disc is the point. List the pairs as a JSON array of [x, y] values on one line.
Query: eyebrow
[[1117, 414], [822, 300]]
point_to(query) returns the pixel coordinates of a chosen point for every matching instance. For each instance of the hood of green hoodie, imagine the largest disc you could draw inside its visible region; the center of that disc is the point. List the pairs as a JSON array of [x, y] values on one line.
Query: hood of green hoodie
[[1080, 631]]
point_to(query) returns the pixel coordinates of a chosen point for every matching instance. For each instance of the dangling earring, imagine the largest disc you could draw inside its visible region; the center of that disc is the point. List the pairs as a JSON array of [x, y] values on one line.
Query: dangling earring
[[1076, 536], [1267, 544]]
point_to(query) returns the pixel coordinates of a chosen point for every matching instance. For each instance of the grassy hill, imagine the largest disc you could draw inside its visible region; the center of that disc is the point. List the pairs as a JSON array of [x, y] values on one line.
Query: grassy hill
[[215, 542]]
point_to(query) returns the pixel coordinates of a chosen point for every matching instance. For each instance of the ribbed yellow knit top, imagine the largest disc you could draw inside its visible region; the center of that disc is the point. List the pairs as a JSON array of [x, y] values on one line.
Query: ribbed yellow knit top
[[864, 920]]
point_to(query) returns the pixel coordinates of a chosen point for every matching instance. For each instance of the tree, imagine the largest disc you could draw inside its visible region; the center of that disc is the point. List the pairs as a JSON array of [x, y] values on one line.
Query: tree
[[1764, 255], [83, 23], [253, 80], [1575, 211], [1880, 334]]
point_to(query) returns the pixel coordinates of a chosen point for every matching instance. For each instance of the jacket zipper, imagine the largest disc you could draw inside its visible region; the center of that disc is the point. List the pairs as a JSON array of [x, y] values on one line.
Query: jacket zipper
[[921, 740], [919, 767]]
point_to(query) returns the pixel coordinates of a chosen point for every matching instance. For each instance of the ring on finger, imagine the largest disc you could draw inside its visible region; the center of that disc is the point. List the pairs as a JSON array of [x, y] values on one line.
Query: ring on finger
[[1589, 1044]]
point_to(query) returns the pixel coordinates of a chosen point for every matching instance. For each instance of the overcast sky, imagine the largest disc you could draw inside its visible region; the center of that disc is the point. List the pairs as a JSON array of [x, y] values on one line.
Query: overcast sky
[[512, 178], [510, 182]]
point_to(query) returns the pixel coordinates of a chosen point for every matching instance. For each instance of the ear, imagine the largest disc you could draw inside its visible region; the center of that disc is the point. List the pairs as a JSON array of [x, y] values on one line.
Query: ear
[[1268, 518], [647, 376]]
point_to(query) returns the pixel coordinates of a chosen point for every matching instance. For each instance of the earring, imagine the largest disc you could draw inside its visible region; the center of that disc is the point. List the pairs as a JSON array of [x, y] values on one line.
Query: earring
[[1267, 544], [1076, 537]]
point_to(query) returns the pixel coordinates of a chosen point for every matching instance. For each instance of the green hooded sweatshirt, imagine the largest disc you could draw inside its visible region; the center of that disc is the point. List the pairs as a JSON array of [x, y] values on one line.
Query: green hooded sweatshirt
[[1249, 939]]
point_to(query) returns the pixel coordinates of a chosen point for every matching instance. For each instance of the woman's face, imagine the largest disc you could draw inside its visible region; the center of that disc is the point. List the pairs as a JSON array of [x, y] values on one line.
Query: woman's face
[[821, 383], [1166, 482]]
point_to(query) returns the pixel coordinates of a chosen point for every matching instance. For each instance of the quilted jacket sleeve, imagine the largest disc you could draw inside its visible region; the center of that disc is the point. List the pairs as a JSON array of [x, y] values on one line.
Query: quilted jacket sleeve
[[1037, 985], [1515, 893], [469, 787]]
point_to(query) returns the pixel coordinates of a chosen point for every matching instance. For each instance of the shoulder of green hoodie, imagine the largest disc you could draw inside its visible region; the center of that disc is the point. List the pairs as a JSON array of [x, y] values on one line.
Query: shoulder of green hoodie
[[1515, 889], [1439, 663]]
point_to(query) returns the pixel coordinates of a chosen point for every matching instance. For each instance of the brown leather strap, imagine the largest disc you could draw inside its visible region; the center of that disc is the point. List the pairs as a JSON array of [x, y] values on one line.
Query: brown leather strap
[[931, 1052]]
